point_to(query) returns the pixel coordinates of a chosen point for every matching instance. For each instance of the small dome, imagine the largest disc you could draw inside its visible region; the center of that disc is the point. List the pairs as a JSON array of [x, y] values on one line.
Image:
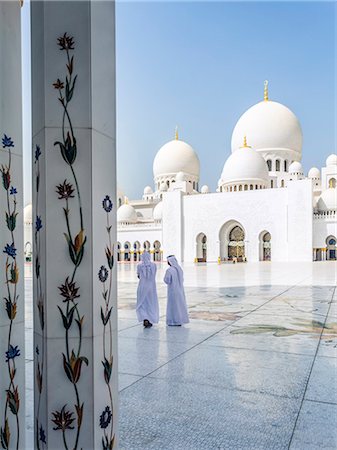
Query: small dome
[[176, 156], [245, 165], [295, 168], [331, 160], [180, 176], [314, 173], [204, 189], [163, 187], [148, 190], [126, 213], [158, 211], [327, 200], [28, 214]]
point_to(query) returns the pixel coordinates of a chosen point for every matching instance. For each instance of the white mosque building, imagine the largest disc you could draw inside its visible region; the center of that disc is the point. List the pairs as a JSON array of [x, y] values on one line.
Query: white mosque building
[[264, 209]]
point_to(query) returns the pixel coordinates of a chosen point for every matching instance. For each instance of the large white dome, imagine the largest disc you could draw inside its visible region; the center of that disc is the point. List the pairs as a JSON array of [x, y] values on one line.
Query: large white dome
[[126, 213], [176, 156], [271, 128], [328, 200], [245, 165]]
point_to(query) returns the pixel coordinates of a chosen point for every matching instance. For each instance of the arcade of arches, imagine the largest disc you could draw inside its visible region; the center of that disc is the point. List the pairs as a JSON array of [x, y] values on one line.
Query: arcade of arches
[[132, 252], [232, 244], [232, 247], [327, 253]]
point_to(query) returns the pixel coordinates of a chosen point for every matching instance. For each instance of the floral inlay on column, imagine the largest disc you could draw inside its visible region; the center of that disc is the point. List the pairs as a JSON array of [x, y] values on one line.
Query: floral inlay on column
[[70, 418], [105, 277], [40, 437], [10, 278]]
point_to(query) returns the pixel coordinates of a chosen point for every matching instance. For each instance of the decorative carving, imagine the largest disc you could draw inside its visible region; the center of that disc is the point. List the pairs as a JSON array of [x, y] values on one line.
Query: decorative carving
[[71, 318], [10, 278]]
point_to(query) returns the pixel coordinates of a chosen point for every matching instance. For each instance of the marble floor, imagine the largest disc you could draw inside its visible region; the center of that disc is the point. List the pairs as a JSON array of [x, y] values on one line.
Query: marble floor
[[255, 369]]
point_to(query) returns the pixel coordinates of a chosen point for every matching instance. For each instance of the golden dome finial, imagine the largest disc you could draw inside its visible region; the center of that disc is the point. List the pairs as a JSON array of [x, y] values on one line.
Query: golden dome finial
[[245, 145], [266, 97], [126, 200], [176, 133]]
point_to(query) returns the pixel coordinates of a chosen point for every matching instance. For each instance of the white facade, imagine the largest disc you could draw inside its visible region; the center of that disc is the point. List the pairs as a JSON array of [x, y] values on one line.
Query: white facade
[[263, 195], [265, 206]]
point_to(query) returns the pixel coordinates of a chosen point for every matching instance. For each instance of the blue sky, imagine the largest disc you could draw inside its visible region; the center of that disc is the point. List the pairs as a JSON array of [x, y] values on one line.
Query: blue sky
[[200, 65]]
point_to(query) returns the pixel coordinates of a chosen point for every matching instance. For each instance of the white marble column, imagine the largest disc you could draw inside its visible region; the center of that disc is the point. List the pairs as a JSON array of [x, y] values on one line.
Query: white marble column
[[12, 355], [75, 332]]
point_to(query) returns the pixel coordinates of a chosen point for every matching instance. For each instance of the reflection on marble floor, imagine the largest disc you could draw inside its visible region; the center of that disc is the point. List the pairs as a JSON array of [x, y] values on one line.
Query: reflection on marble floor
[[255, 369]]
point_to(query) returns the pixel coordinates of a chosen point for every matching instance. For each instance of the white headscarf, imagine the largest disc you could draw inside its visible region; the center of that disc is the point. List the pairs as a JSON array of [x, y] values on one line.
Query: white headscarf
[[146, 266], [175, 265]]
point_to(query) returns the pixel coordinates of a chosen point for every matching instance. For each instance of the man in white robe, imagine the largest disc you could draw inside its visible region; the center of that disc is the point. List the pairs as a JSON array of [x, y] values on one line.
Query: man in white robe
[[176, 311], [147, 300]]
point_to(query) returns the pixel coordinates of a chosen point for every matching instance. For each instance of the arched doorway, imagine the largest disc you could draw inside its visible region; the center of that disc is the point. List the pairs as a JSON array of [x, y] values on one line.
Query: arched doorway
[[28, 251], [146, 246], [265, 246], [232, 242], [331, 248], [136, 251], [127, 251], [201, 250], [118, 251], [156, 251]]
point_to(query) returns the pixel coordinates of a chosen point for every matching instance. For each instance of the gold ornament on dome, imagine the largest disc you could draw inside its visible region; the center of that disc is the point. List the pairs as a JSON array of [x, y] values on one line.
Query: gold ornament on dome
[[176, 134], [266, 95], [245, 145]]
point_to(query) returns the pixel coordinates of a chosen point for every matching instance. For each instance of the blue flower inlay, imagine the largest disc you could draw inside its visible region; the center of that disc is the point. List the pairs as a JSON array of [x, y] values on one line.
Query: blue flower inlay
[[107, 204], [105, 418], [37, 152], [7, 142], [103, 274], [38, 223], [10, 250], [13, 191], [12, 352]]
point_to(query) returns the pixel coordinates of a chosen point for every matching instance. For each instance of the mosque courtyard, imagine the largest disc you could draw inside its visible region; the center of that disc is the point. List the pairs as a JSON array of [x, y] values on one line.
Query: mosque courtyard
[[255, 369]]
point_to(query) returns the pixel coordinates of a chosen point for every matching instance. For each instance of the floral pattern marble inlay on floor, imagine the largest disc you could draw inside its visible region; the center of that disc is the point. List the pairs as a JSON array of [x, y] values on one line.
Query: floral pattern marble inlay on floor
[[253, 370]]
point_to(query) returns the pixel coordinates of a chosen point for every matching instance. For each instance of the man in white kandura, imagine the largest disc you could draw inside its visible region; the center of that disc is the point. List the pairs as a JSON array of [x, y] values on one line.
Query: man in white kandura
[[176, 311], [147, 300]]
